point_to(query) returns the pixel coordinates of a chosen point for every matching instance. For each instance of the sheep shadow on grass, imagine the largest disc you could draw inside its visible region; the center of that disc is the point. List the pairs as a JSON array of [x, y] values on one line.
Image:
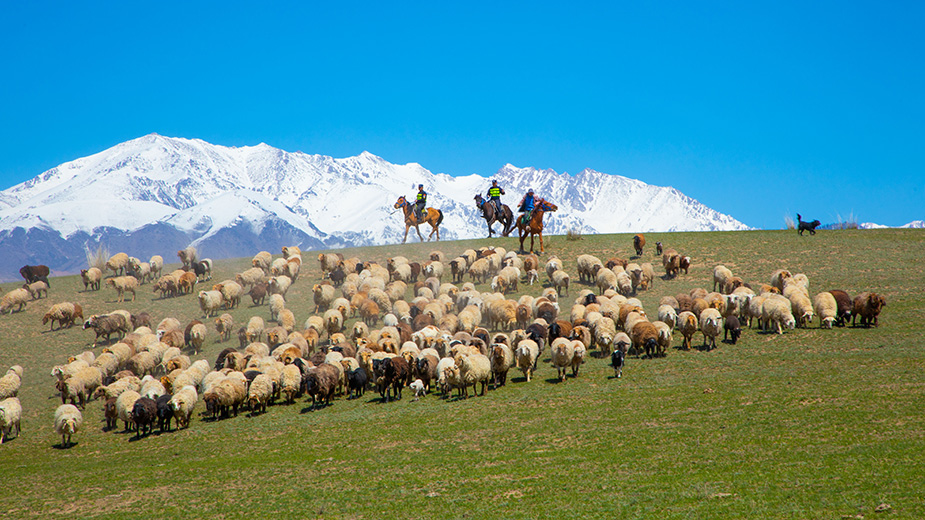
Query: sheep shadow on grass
[[60, 446]]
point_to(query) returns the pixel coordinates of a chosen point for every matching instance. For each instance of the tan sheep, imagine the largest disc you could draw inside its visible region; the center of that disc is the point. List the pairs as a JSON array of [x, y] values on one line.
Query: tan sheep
[[15, 298], [122, 285], [687, 324], [91, 278], [560, 280], [118, 263], [262, 261], [826, 308]]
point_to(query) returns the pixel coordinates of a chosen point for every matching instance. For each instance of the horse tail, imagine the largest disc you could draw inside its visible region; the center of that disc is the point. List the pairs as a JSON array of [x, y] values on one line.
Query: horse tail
[[439, 217]]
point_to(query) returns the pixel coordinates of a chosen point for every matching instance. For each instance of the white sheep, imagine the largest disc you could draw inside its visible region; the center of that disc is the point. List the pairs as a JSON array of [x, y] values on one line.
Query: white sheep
[[277, 304], [210, 302], [182, 404], [562, 353], [560, 280], [721, 275], [668, 315], [15, 298], [588, 265], [10, 382], [473, 369], [262, 261], [777, 311], [826, 308], [418, 387], [604, 331], [68, 421], [259, 393], [624, 284], [802, 308], [91, 278], [10, 417], [157, 265], [525, 356]]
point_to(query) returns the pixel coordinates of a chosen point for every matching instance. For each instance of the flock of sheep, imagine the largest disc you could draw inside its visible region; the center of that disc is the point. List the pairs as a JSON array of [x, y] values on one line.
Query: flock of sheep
[[448, 336]]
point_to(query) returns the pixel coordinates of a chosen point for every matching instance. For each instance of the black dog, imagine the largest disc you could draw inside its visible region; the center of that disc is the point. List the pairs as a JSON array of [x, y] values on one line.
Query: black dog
[[807, 226]]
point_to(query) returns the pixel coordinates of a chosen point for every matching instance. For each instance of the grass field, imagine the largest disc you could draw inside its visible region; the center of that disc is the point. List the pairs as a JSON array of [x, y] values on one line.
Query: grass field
[[811, 424]]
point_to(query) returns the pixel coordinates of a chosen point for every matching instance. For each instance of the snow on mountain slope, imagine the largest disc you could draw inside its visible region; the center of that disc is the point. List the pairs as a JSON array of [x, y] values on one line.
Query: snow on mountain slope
[[188, 189]]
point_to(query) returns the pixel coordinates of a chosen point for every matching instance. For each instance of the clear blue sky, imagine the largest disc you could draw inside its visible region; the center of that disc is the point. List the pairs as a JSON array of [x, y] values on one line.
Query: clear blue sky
[[758, 111]]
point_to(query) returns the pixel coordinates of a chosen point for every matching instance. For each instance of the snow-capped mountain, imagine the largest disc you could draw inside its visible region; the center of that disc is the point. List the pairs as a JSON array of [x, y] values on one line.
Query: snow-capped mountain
[[155, 194], [915, 224]]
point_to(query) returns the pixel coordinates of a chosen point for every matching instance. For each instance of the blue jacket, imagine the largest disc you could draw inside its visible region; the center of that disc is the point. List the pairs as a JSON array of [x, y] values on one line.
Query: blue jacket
[[527, 203]]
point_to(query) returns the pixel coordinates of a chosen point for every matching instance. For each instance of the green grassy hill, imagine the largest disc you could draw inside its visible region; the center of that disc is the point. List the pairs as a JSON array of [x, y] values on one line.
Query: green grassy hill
[[811, 424]]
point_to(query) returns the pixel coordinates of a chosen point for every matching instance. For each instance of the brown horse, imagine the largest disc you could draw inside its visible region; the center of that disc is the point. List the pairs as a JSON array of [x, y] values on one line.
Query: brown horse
[[506, 218], [432, 216], [535, 226]]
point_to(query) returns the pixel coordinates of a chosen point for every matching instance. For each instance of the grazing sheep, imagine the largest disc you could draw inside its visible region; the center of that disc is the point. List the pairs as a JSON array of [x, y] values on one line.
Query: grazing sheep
[[668, 315], [778, 277], [645, 337], [560, 279], [231, 292], [15, 298], [259, 393], [10, 382], [182, 404], [36, 289], [262, 261], [731, 327], [826, 308], [687, 324], [197, 337], [68, 421], [867, 305], [624, 284], [65, 313], [118, 263], [224, 324], [777, 312], [845, 307], [210, 302], [122, 285], [802, 308], [106, 325], [10, 417], [711, 324]]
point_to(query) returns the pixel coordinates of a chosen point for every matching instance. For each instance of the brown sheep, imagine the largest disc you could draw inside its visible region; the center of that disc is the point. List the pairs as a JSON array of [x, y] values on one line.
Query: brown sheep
[[639, 242], [867, 306]]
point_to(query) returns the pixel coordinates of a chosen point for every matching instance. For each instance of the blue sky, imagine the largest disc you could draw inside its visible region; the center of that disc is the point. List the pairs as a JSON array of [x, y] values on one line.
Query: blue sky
[[757, 110]]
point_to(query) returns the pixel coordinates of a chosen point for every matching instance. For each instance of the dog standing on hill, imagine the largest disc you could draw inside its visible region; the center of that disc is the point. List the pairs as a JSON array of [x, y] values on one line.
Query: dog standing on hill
[[807, 226]]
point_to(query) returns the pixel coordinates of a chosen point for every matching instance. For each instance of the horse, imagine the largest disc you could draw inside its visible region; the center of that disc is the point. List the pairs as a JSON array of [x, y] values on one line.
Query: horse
[[490, 214], [431, 216], [535, 225]]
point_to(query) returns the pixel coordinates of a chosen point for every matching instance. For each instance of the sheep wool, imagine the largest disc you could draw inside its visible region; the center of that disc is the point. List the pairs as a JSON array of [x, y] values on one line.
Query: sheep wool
[[68, 421], [10, 417]]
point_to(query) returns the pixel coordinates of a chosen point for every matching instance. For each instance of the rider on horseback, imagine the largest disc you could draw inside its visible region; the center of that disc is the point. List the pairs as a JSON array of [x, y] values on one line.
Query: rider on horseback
[[526, 205], [494, 195], [421, 202]]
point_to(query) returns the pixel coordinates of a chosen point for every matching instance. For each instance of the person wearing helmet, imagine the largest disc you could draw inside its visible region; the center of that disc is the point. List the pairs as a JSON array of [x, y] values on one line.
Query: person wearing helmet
[[421, 201], [526, 205], [494, 195]]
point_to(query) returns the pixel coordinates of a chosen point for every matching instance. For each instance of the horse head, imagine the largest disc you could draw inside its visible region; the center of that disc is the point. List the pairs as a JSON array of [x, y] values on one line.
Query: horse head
[[545, 205], [400, 202], [479, 201]]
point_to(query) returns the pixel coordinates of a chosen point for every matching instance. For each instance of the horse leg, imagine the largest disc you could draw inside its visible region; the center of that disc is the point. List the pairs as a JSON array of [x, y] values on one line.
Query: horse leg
[[406, 234], [541, 242], [418, 229], [521, 233]]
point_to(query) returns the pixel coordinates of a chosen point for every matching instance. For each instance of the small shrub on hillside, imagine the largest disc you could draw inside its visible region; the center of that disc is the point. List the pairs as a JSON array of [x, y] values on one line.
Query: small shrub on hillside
[[97, 257], [850, 222], [573, 234], [789, 223]]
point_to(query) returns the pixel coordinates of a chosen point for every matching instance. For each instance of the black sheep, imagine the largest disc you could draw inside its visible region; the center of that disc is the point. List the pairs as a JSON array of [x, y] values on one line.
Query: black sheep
[[338, 276], [144, 414], [396, 372], [356, 382], [35, 273], [220, 360], [164, 412], [732, 327]]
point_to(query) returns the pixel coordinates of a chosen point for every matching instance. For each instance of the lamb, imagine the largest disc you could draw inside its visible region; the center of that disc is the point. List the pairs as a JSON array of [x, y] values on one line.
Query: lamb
[[91, 278], [15, 298], [731, 327], [258, 293], [182, 404], [617, 360], [36, 289], [687, 324], [473, 369], [776, 311], [721, 275], [562, 353], [526, 355], [639, 242], [867, 305], [321, 383], [68, 421], [106, 325], [10, 382], [10, 417], [711, 324], [118, 263], [144, 415]]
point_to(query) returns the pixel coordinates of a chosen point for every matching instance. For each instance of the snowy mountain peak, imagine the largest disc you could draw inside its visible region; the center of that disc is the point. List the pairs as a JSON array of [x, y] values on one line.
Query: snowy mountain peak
[[194, 191]]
